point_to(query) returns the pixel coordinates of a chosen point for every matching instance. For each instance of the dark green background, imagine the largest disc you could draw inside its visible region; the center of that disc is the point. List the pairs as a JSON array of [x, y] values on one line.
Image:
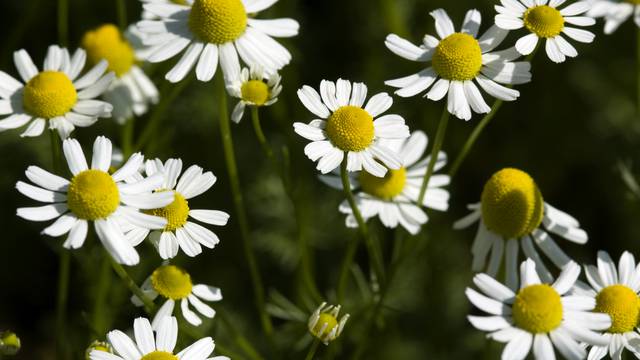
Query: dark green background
[[570, 129]]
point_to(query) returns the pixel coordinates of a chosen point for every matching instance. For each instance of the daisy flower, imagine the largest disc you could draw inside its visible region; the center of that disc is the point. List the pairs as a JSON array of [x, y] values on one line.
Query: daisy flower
[[212, 31], [615, 13], [253, 87], [457, 61], [158, 346], [539, 315], [94, 195], [324, 323], [616, 294], [393, 198], [58, 95], [179, 232], [512, 212], [543, 20], [132, 91], [345, 128], [174, 284]]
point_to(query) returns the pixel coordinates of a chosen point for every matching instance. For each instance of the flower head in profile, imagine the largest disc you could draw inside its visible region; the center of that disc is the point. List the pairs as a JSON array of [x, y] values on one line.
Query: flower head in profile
[[457, 62], [615, 289], [212, 32], [348, 127], [98, 345], [543, 20], [179, 232], [9, 343], [132, 91], [254, 87], [538, 315], [615, 12], [512, 214], [154, 345], [57, 97], [393, 198], [93, 195], [324, 323], [174, 284]]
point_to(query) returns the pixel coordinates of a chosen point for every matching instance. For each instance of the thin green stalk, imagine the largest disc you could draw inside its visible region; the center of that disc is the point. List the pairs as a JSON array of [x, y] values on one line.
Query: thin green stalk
[[345, 267], [154, 120], [121, 9], [102, 290], [471, 140], [243, 222], [63, 22], [638, 65], [126, 137], [313, 349], [255, 118], [149, 306], [435, 150]]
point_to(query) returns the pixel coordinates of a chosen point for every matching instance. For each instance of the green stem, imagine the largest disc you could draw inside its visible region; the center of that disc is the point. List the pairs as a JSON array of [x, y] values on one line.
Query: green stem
[[102, 290], [232, 169], [346, 266], [471, 140], [435, 150], [121, 9], [255, 118], [160, 111], [313, 349], [63, 22], [126, 137], [638, 65], [149, 306]]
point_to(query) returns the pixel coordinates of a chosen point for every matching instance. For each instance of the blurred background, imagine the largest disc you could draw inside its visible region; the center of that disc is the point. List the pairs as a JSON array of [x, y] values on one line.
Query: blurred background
[[572, 129]]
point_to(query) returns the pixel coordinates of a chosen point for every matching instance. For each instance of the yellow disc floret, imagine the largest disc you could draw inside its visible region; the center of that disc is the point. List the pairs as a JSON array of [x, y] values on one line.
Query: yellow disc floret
[[49, 94], [458, 57], [171, 282], [386, 187], [512, 205], [326, 321], [217, 21], [93, 195], [255, 92], [106, 42], [159, 355], [176, 213], [537, 309], [622, 304], [544, 21], [350, 128]]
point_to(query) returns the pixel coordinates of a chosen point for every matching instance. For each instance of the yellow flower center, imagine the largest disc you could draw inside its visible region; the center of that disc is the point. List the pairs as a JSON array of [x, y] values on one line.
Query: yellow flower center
[[159, 355], [171, 282], [330, 321], [255, 92], [458, 57], [544, 21], [217, 21], [176, 213], [49, 94], [350, 128], [386, 187], [537, 309], [622, 304], [106, 42], [512, 205], [93, 195]]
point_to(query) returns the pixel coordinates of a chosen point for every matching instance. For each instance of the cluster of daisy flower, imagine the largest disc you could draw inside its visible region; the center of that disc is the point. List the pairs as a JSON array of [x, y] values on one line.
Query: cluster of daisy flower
[[360, 148]]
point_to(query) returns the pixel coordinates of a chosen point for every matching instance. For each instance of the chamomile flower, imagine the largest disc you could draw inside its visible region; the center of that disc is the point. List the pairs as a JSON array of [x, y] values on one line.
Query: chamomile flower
[[616, 294], [97, 345], [215, 31], [511, 214], [158, 346], [253, 87], [179, 232], [94, 195], [174, 284], [393, 198], [615, 12], [346, 128], [457, 61], [132, 91], [324, 323], [543, 20], [56, 97], [539, 315]]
